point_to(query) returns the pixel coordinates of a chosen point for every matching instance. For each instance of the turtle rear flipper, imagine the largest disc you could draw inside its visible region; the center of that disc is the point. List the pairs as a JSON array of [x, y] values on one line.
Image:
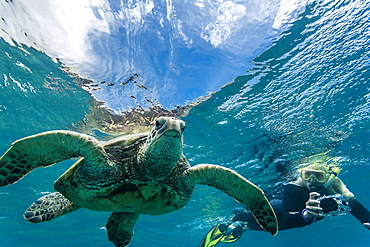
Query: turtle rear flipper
[[49, 207], [46, 149], [237, 187], [120, 227]]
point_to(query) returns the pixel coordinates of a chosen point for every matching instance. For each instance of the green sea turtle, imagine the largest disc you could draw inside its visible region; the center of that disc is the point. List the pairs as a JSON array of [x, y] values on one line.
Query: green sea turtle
[[130, 175]]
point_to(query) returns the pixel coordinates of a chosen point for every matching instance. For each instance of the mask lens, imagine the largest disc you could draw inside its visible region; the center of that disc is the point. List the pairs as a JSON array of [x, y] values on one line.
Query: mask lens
[[319, 176], [305, 175]]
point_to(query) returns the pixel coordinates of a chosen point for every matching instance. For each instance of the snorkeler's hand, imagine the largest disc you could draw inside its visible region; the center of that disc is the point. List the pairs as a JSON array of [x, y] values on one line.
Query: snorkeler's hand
[[367, 225], [313, 207]]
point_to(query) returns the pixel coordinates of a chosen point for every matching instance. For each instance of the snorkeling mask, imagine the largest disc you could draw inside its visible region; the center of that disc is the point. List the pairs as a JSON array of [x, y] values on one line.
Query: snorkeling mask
[[319, 175]]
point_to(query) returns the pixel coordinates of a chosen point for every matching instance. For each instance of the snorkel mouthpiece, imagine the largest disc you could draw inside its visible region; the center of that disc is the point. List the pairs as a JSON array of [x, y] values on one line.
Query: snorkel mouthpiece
[[333, 171]]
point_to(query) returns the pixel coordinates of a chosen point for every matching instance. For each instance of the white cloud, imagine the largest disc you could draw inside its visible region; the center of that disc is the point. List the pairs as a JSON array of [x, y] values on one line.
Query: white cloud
[[225, 20], [57, 27], [287, 11]]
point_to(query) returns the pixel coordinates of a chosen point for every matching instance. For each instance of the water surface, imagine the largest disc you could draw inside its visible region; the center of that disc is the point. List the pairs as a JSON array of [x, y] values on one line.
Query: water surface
[[299, 89]]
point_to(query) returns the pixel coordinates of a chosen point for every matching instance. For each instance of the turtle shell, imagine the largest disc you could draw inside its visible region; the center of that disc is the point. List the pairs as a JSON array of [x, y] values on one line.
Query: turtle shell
[[123, 187], [125, 140]]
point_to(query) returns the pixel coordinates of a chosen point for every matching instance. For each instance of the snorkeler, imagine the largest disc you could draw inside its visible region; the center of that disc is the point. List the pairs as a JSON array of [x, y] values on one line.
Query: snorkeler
[[315, 194]]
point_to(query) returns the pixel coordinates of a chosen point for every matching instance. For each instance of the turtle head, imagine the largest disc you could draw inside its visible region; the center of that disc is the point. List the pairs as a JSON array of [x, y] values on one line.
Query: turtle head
[[163, 148]]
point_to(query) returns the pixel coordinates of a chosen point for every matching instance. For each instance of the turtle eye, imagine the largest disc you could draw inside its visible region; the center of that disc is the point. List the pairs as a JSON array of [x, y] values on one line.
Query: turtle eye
[[182, 126], [159, 123]]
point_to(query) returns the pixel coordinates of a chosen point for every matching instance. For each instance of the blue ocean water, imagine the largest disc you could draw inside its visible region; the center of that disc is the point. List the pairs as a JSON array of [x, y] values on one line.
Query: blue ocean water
[[306, 93]]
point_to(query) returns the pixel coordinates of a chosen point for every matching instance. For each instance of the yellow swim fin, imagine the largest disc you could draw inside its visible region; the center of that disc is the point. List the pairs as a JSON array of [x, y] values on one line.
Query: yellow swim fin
[[223, 233], [214, 235], [234, 232]]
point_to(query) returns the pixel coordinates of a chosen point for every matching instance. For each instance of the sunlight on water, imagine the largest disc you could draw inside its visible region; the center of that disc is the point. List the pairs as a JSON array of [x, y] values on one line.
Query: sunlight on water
[[301, 72], [172, 48], [36, 95], [293, 95]]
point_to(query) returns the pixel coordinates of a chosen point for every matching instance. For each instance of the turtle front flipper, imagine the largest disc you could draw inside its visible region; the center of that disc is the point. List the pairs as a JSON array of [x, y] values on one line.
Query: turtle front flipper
[[239, 188], [46, 149], [120, 227], [49, 207]]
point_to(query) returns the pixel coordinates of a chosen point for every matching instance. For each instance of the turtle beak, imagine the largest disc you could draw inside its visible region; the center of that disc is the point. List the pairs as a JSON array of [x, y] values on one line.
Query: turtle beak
[[172, 128], [172, 133]]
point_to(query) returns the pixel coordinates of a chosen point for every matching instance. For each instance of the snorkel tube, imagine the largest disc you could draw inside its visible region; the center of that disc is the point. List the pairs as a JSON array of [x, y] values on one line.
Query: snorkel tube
[[333, 171]]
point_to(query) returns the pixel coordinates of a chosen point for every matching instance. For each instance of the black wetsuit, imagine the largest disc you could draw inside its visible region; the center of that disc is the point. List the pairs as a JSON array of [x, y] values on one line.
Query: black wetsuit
[[289, 209]]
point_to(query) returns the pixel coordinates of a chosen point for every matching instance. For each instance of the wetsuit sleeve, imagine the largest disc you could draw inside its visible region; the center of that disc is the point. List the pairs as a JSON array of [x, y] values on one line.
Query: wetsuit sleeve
[[294, 201], [359, 211]]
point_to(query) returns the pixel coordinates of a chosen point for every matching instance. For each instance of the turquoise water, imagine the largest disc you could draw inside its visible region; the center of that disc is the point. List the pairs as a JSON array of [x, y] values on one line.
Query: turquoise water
[[307, 93]]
